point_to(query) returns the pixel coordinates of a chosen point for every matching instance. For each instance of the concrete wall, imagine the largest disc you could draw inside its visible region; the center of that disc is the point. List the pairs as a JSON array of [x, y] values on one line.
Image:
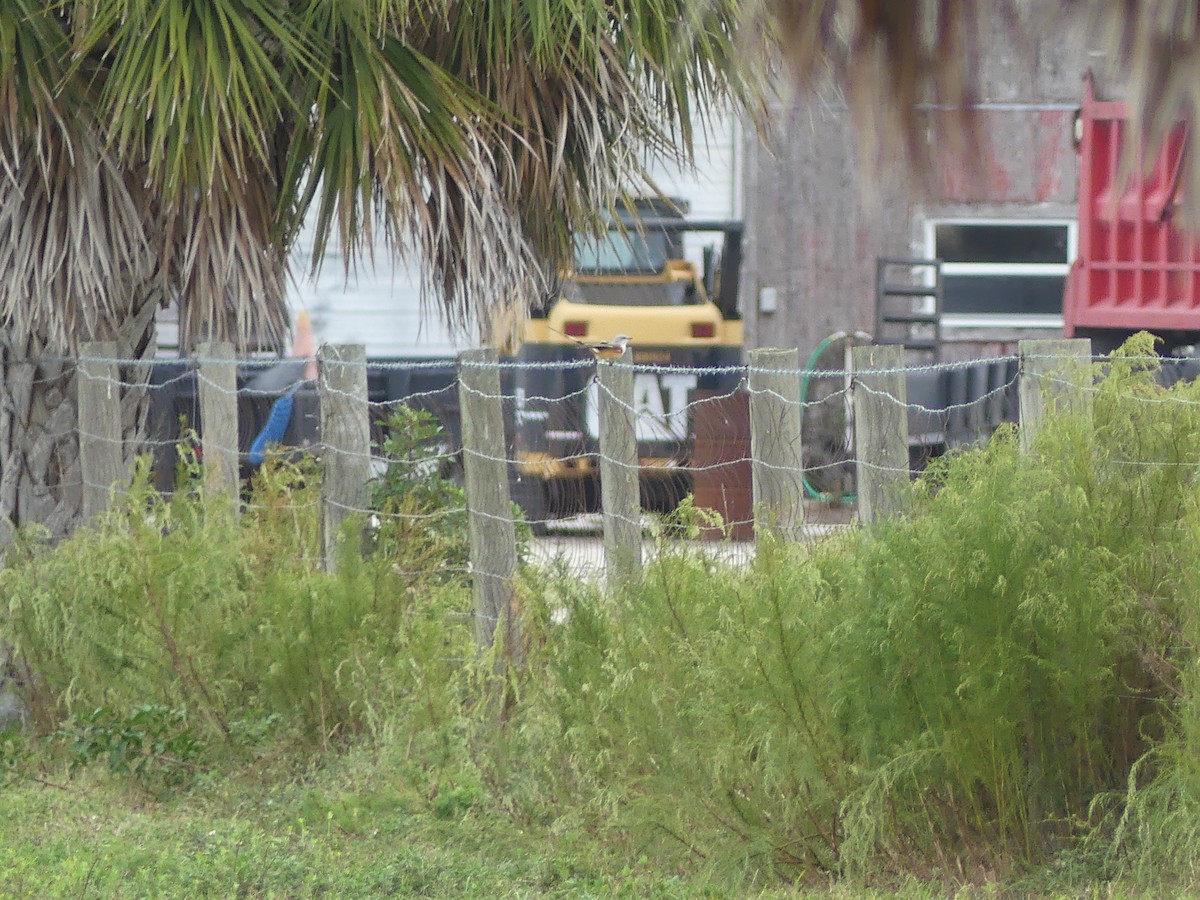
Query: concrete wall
[[817, 220]]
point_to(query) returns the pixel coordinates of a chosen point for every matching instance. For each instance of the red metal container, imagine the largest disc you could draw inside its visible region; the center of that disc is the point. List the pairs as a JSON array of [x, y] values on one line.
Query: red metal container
[[1135, 269], [721, 457]]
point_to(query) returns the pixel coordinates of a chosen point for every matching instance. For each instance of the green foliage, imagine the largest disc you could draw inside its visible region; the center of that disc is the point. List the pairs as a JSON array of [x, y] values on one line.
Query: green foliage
[[973, 687], [689, 715], [1004, 683], [418, 501], [174, 604], [16, 757], [351, 829], [452, 803], [153, 743], [687, 521]]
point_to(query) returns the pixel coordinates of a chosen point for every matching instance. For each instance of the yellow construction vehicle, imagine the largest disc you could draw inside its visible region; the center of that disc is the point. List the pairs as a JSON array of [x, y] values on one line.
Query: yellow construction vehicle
[[683, 324]]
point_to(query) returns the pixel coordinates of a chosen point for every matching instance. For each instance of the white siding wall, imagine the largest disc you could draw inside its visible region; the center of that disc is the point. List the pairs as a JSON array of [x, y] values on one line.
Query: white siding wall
[[379, 308], [713, 189]]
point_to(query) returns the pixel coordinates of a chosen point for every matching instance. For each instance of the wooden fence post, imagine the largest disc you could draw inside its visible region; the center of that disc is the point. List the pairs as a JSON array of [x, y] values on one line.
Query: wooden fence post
[[101, 454], [777, 463], [1055, 376], [880, 398], [619, 496], [345, 439], [493, 538], [219, 420]]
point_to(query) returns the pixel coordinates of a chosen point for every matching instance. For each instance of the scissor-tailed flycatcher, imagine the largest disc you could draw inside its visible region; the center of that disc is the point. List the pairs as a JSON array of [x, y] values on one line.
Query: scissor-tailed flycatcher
[[607, 350]]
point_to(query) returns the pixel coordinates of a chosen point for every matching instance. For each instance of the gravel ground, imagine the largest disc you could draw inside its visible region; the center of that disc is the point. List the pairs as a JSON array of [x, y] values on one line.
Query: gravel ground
[[577, 543]]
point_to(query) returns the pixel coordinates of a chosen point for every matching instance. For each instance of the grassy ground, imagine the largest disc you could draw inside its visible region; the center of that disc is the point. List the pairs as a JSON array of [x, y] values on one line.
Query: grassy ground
[[94, 839], [349, 833]]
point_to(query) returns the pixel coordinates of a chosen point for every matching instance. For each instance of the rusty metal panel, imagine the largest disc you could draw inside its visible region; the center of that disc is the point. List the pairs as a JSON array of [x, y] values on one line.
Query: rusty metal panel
[[1136, 267], [721, 457]]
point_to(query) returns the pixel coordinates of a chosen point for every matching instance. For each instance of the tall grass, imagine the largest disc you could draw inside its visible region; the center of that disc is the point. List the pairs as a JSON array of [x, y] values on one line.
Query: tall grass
[[969, 689], [172, 602]]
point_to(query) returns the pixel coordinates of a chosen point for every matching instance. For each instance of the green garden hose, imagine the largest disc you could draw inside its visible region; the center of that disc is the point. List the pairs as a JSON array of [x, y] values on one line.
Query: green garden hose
[[811, 492]]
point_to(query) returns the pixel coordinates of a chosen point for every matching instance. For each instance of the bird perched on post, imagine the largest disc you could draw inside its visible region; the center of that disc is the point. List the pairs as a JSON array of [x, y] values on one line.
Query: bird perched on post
[[606, 350]]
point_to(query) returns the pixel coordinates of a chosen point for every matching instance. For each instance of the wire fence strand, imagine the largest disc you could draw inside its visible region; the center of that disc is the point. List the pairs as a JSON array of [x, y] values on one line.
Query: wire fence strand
[[691, 424]]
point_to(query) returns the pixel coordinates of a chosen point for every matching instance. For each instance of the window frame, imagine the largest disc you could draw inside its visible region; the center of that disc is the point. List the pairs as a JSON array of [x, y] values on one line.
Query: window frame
[[1002, 320]]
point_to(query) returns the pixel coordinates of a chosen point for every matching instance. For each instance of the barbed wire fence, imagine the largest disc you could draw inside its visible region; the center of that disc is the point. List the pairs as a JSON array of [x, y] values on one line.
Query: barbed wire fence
[[590, 455]]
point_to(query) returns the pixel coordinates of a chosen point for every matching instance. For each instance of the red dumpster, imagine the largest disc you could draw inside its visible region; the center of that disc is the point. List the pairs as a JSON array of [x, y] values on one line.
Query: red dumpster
[[1136, 269]]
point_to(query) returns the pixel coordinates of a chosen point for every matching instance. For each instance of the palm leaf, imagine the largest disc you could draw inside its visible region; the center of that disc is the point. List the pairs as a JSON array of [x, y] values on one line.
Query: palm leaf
[[591, 89], [480, 135], [72, 237], [897, 59]]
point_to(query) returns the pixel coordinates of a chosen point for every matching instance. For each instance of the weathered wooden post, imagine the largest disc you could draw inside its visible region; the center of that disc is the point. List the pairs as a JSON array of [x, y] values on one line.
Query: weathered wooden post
[[493, 539], [1055, 376], [345, 439], [619, 469], [219, 420], [101, 454], [777, 463], [880, 400]]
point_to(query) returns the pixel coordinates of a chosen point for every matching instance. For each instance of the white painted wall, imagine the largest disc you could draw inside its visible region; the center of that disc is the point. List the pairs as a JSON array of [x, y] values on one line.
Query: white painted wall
[[713, 189], [379, 308]]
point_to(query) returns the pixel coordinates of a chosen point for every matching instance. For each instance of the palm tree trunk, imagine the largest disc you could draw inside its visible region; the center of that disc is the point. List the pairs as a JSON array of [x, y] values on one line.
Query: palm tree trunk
[[41, 482]]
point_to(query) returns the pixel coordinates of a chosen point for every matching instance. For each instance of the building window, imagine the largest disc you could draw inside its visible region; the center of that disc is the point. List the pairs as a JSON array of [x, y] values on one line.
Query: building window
[[1002, 273]]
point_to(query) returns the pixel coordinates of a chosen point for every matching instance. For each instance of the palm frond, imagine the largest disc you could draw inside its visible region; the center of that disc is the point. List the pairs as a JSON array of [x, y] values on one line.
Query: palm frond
[[190, 88], [894, 60], [480, 135], [72, 232], [32, 45], [1156, 46], [225, 268], [591, 89], [72, 242], [191, 98]]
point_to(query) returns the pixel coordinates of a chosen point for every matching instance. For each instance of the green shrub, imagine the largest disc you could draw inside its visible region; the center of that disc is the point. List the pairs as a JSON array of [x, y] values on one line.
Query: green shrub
[[153, 743], [178, 605], [1007, 677], [419, 502], [968, 688]]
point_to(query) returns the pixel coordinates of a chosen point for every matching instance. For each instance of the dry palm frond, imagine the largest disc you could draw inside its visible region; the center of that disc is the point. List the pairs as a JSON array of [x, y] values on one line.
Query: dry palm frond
[[72, 234], [225, 266], [895, 61], [898, 59], [72, 242], [1157, 44]]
